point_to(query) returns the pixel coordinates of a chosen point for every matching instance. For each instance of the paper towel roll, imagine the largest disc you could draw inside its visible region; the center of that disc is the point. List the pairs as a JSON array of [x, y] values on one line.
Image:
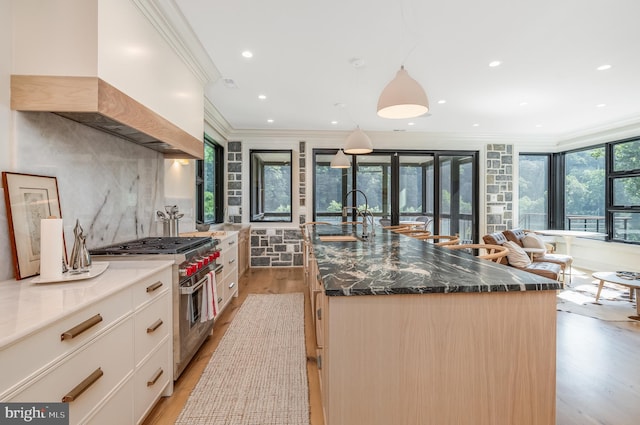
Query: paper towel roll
[[51, 248]]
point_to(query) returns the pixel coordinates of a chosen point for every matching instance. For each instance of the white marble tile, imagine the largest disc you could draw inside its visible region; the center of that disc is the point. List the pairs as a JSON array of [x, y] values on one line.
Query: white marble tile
[[111, 185]]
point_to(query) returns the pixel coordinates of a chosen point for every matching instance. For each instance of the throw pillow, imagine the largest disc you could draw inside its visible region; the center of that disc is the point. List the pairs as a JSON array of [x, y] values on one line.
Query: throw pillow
[[517, 256], [531, 240]]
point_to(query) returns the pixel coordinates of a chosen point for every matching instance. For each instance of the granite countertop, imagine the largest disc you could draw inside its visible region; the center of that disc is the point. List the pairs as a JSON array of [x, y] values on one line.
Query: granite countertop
[[392, 263]]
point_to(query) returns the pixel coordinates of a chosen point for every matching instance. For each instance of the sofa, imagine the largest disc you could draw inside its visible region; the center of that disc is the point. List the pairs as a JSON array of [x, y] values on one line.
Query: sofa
[[541, 268]]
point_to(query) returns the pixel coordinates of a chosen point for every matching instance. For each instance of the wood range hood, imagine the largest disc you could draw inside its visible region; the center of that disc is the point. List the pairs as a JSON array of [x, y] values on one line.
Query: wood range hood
[[97, 104]]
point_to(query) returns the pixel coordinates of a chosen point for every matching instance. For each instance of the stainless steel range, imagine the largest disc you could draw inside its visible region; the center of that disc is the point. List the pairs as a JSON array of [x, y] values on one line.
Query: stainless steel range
[[193, 259]]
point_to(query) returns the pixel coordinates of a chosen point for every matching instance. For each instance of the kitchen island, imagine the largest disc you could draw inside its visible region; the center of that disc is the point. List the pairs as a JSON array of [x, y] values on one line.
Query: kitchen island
[[411, 333]]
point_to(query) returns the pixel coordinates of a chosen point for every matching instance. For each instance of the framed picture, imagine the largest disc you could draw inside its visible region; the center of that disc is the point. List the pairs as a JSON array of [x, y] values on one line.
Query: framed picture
[[29, 198]]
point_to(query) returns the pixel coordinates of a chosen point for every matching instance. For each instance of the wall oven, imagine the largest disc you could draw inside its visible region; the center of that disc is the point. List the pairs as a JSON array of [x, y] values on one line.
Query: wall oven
[[194, 258]]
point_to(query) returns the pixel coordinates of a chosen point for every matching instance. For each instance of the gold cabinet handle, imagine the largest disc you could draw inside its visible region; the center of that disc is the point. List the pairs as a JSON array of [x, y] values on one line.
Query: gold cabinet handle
[[233, 260], [154, 326], [83, 386], [153, 287], [219, 300], [232, 242], [77, 330], [155, 377], [232, 284]]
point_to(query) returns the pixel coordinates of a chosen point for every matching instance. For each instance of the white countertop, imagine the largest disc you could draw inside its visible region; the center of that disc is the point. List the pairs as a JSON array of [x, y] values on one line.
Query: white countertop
[[26, 307]]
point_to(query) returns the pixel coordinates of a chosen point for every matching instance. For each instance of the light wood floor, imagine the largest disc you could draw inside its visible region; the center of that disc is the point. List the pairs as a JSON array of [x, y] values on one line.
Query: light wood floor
[[598, 372]]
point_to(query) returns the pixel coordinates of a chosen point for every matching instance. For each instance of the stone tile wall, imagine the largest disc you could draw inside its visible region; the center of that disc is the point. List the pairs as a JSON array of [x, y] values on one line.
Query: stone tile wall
[[234, 182], [276, 248], [499, 187]]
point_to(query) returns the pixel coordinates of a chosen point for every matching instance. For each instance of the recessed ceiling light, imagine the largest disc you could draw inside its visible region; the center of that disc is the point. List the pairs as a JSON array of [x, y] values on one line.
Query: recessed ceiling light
[[601, 105], [247, 54], [229, 83], [262, 97], [603, 67], [524, 103], [493, 64], [476, 125], [270, 121], [411, 123], [334, 122], [441, 101], [538, 125]]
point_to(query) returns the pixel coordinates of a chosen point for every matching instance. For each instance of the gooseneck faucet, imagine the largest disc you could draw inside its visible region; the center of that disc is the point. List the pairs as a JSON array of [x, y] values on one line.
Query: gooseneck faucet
[[361, 213]]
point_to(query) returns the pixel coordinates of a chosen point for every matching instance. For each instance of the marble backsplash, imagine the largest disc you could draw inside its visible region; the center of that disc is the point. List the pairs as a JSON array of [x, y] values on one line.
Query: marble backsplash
[[111, 185]]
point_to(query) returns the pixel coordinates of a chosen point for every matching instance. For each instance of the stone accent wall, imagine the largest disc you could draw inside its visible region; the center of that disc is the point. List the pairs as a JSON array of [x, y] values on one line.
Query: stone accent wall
[[276, 248], [499, 187], [234, 182], [303, 183]]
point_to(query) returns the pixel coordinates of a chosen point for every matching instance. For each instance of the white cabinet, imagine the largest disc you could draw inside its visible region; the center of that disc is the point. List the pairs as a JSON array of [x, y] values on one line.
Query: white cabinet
[[109, 355], [229, 261]]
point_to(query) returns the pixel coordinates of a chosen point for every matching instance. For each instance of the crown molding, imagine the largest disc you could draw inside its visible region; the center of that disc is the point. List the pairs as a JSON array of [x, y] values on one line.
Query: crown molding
[[617, 130], [168, 20], [214, 118]]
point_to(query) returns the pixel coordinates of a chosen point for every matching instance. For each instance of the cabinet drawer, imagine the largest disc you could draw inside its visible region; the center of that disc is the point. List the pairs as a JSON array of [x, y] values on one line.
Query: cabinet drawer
[[148, 289], [111, 353], [38, 350], [230, 286], [152, 324], [118, 409], [151, 379]]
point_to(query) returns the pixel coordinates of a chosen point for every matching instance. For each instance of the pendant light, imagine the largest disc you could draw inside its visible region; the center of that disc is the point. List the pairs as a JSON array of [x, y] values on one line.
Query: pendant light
[[358, 143], [340, 160], [403, 97]]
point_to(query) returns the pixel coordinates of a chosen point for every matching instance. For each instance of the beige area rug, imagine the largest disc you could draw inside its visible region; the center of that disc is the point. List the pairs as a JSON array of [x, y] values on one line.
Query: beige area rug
[[579, 298], [258, 374]]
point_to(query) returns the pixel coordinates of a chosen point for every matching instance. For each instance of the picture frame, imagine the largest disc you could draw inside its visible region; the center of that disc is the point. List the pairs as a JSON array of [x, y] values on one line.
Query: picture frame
[[28, 199]]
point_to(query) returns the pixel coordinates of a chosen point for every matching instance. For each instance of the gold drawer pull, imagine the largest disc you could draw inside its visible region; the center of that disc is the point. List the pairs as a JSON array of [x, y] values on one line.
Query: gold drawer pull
[[83, 386], [77, 330], [153, 287], [232, 284], [219, 300], [155, 377], [155, 326], [232, 261], [232, 242]]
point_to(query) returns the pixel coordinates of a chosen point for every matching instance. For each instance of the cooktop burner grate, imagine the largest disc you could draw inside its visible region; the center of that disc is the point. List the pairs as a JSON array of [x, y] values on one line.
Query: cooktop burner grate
[[153, 245]]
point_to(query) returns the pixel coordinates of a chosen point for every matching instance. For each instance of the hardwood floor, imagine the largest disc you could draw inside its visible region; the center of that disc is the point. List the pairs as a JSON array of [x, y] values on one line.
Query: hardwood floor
[[598, 373]]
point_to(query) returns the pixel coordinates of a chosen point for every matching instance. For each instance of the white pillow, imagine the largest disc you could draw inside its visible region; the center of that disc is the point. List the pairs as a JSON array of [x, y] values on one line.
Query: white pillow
[[517, 256], [531, 240]]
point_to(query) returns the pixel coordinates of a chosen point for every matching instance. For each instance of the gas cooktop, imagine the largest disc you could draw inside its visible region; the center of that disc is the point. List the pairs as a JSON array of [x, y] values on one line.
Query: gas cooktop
[[153, 245]]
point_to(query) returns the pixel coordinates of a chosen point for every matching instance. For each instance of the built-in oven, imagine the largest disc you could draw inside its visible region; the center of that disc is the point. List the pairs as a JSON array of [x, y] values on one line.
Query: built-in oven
[[193, 323]]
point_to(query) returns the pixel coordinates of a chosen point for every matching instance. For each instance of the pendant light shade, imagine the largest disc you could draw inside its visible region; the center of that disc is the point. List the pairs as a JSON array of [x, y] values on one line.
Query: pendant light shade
[[340, 160], [403, 97], [358, 143]]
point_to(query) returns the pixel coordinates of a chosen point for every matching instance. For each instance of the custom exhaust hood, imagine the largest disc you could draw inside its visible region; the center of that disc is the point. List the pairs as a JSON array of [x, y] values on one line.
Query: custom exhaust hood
[[97, 104]]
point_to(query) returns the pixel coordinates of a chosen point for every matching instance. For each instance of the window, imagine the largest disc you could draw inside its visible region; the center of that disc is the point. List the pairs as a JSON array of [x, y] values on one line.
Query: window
[[209, 183], [271, 185], [533, 184], [585, 190], [401, 185], [624, 184]]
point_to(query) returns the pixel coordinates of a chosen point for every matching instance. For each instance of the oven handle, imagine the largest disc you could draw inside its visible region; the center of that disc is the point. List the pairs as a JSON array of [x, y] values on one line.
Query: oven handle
[[188, 290]]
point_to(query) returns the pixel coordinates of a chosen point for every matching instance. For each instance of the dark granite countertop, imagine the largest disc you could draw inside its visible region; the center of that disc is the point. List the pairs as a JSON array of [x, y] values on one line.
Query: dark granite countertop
[[391, 263]]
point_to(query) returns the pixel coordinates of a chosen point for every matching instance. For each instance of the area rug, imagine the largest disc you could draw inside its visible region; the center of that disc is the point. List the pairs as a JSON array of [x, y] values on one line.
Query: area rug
[[614, 304], [257, 374]]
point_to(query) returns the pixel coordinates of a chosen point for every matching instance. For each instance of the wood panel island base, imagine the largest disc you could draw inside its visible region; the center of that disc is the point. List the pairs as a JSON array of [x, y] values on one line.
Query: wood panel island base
[[440, 359], [412, 334]]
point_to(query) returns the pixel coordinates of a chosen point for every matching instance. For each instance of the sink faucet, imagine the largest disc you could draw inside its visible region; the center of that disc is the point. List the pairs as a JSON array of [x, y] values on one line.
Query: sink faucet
[[360, 213]]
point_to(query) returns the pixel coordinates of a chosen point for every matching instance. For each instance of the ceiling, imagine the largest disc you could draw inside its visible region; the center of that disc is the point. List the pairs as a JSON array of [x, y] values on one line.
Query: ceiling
[[319, 62]]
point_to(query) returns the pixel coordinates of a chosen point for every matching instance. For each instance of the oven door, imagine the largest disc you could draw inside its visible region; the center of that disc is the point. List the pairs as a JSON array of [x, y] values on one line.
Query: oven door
[[192, 330]]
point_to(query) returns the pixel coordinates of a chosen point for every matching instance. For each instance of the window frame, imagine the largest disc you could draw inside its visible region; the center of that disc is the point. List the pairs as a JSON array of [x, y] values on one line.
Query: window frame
[[218, 185], [254, 196], [611, 177]]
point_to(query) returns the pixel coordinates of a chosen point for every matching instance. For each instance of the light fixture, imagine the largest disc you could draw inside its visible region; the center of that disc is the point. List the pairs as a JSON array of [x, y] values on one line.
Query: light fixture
[[340, 160], [403, 97], [358, 143], [181, 161]]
